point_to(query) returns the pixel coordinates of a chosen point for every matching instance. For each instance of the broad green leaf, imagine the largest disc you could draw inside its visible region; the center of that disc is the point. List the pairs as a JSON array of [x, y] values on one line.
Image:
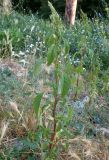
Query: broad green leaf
[[36, 103], [51, 54], [65, 84]]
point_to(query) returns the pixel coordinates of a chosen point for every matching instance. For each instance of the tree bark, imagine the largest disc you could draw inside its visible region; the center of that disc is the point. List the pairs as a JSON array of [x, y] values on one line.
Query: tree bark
[[5, 6], [70, 11]]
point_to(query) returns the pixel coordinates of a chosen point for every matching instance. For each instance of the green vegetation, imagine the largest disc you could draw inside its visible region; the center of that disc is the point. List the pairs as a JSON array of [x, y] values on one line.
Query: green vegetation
[[28, 34], [91, 7], [54, 88]]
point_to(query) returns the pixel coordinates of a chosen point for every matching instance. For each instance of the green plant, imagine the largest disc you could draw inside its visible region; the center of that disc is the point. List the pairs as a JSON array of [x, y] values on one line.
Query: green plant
[[27, 34], [6, 45], [58, 48], [66, 67]]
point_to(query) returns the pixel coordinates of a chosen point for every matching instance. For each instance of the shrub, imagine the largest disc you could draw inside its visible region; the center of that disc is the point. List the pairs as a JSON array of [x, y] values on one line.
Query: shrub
[[28, 33], [91, 8], [70, 66]]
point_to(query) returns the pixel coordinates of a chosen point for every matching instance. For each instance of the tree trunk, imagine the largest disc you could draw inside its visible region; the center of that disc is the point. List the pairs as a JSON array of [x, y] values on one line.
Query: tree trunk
[[5, 6], [70, 11]]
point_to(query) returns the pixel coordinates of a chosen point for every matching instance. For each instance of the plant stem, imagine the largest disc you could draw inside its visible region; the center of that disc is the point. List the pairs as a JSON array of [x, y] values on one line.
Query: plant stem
[[77, 84], [52, 139]]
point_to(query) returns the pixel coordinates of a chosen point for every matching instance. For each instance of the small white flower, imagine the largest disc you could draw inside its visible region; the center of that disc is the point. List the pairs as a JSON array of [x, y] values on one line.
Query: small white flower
[[31, 45], [76, 61], [21, 53], [27, 51]]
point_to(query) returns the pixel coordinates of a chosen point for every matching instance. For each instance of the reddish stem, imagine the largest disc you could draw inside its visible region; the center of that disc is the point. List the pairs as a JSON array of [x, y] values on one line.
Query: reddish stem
[[53, 136]]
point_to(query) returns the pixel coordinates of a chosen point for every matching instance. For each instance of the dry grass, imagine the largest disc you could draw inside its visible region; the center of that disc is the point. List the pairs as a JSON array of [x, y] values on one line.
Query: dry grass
[[81, 148], [23, 120], [91, 149]]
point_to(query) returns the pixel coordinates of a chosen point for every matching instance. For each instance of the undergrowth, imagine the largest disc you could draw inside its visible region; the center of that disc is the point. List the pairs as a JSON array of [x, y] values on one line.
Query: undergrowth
[[21, 35], [59, 109]]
